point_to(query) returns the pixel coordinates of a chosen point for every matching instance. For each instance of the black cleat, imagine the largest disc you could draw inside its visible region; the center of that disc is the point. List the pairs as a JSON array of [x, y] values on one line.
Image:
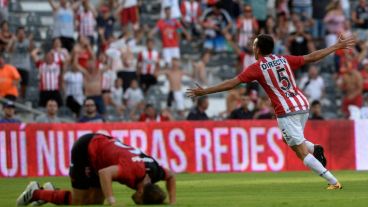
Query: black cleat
[[319, 154]]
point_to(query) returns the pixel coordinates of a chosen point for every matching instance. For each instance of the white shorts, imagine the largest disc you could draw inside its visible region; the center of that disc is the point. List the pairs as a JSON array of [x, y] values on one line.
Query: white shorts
[[179, 100], [170, 53], [292, 128]]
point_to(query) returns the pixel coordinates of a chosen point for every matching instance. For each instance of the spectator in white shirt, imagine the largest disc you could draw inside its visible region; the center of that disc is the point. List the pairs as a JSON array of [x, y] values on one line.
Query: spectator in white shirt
[[117, 95], [73, 89], [63, 26], [122, 58], [364, 109], [312, 85], [175, 8], [133, 95]]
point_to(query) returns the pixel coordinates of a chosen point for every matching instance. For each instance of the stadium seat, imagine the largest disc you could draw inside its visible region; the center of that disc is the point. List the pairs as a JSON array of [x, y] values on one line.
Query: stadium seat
[[226, 72], [35, 32], [33, 20], [14, 21], [15, 6], [42, 6], [65, 112]]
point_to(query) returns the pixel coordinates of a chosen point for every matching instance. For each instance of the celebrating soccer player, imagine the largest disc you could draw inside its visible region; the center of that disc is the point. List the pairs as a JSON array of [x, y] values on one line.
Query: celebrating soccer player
[[275, 74], [96, 161]]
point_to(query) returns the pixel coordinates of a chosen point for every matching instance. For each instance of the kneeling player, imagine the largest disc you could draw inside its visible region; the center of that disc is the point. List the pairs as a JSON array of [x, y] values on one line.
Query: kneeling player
[[96, 161]]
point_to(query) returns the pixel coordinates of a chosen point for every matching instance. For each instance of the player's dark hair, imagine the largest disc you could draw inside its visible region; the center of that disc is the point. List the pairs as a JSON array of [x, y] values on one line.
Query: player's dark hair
[[3, 23], [19, 29], [218, 5], [52, 99], [149, 105], [205, 53], [265, 44], [201, 100], [315, 103], [153, 194], [150, 40], [88, 99]]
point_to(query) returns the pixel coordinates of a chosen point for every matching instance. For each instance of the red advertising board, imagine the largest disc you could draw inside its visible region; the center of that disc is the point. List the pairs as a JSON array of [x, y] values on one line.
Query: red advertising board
[[195, 147]]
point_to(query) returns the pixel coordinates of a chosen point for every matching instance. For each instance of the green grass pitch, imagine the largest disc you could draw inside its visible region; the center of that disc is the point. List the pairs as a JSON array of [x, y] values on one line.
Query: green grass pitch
[[240, 189]]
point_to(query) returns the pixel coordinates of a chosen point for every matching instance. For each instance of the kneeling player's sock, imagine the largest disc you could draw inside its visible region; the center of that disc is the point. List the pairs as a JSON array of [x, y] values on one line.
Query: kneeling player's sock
[[310, 146], [58, 197], [313, 164]]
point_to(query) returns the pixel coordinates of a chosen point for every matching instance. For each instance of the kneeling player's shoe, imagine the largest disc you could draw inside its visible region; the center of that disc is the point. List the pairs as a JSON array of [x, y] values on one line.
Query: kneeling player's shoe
[[46, 186], [26, 197], [337, 186], [319, 154]]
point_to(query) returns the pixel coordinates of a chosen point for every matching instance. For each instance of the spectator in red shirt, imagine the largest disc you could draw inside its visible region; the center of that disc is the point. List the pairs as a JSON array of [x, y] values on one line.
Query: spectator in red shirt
[[351, 84], [209, 3], [364, 73], [50, 77], [148, 66], [170, 39], [150, 114], [82, 53]]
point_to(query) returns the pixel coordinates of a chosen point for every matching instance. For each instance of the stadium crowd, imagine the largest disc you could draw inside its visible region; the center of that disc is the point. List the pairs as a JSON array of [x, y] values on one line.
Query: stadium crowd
[[103, 71]]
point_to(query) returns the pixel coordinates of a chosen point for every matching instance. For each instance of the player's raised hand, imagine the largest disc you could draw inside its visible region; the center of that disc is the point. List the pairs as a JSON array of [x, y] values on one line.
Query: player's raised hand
[[195, 92], [346, 42]]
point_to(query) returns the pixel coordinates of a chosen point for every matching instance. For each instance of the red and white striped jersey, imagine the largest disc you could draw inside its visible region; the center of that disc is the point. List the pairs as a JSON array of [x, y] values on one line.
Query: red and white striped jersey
[[60, 56], [4, 3], [190, 11], [246, 28], [275, 74], [87, 23], [49, 76], [148, 59]]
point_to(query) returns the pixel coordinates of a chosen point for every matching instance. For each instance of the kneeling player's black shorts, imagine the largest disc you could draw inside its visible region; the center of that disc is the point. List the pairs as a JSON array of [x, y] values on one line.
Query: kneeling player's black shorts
[[81, 174]]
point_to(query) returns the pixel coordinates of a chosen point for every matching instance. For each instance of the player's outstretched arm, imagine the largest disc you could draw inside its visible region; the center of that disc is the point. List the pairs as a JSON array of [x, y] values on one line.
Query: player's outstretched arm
[[171, 186], [343, 43], [107, 175], [224, 86]]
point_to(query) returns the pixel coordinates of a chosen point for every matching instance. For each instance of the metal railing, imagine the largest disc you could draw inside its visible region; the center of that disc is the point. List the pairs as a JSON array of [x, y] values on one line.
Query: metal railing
[[30, 109]]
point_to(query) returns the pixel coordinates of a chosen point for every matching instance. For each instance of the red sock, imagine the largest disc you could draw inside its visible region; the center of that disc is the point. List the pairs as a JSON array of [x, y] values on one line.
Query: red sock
[[58, 197]]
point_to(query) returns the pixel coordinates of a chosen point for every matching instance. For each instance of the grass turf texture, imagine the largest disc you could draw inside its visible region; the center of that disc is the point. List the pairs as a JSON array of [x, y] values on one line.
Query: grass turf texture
[[230, 190]]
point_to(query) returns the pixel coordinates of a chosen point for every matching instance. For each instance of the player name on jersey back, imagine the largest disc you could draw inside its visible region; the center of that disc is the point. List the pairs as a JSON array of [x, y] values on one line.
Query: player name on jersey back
[[274, 63]]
